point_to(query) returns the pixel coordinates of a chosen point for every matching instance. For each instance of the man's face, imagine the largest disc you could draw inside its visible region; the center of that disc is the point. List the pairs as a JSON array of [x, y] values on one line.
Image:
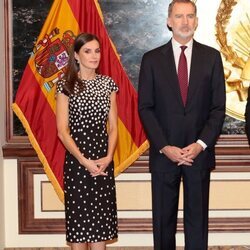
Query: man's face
[[183, 22]]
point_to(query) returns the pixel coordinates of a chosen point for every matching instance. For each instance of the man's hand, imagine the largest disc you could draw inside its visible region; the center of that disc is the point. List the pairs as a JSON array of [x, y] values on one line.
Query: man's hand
[[177, 155], [191, 152]]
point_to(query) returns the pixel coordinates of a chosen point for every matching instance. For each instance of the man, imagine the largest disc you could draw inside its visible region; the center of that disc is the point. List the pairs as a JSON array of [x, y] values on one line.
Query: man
[[182, 108], [247, 117]]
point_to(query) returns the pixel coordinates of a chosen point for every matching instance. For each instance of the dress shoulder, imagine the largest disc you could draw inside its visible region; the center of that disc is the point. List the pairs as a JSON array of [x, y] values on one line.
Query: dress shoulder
[[111, 83], [60, 87]]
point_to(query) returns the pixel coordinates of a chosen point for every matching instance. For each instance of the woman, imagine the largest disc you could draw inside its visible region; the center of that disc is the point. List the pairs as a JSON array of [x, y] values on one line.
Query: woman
[[86, 101]]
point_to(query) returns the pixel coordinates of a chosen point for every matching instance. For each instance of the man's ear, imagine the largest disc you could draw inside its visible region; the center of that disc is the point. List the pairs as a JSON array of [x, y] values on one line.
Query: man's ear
[[196, 25], [169, 24]]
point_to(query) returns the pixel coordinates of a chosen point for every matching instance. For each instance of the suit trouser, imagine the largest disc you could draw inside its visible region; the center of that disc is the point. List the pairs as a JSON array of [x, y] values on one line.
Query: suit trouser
[[165, 197]]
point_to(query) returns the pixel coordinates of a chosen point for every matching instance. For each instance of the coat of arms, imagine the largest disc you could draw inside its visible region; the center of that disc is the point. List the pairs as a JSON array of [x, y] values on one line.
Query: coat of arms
[[51, 56], [233, 36]]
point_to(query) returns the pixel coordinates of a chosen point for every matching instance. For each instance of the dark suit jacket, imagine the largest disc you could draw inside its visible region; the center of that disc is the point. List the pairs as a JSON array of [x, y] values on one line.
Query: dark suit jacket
[[166, 121], [247, 116]]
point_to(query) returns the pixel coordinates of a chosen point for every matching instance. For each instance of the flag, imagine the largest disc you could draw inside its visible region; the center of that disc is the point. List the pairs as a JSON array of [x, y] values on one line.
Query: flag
[[35, 99]]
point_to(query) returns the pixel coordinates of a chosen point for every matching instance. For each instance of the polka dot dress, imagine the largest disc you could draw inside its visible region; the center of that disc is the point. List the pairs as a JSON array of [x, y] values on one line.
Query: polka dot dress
[[90, 202]]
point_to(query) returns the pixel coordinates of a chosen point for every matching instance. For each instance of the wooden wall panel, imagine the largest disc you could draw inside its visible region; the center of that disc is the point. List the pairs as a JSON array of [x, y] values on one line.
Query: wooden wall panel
[[29, 224]]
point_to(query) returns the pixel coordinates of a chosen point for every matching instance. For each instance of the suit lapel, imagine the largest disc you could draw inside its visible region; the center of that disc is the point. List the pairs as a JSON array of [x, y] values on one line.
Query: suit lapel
[[171, 74], [193, 81]]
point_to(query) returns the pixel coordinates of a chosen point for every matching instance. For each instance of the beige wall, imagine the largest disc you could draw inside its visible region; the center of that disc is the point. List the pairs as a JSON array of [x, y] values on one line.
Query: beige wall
[[124, 181], [2, 123]]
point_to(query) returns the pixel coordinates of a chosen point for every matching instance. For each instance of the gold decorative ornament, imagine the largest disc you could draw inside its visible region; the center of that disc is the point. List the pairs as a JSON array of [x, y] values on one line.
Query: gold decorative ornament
[[246, 71], [233, 36]]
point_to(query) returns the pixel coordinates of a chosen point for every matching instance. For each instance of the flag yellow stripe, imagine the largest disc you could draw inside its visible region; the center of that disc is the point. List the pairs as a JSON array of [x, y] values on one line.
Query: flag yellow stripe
[[99, 10], [126, 151], [65, 22]]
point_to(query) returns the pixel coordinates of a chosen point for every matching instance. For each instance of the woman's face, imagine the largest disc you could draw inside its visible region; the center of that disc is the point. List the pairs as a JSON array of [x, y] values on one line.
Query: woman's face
[[89, 55]]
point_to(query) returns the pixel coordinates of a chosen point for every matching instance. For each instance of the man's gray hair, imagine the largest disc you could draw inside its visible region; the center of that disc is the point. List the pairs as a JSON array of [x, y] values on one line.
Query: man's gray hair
[[171, 5]]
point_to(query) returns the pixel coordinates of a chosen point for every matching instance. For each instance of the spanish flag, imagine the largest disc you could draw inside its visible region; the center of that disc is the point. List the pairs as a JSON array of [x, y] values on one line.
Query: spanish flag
[[35, 99]]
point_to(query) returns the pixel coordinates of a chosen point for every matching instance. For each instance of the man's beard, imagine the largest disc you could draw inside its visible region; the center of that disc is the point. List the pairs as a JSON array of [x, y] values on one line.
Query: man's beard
[[185, 34]]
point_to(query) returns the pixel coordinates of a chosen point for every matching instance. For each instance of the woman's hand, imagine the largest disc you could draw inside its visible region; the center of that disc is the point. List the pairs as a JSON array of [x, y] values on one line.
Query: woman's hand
[[102, 164], [92, 167]]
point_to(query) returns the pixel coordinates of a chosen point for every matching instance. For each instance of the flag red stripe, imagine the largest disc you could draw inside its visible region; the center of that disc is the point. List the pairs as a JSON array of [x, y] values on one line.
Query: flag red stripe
[[110, 65], [37, 110]]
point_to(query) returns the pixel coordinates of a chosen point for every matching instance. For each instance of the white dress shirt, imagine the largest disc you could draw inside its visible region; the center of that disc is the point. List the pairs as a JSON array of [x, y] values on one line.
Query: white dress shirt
[[177, 51]]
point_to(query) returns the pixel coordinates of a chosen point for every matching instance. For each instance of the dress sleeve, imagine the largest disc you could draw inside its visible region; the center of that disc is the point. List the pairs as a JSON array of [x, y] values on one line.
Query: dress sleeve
[[60, 87], [113, 86]]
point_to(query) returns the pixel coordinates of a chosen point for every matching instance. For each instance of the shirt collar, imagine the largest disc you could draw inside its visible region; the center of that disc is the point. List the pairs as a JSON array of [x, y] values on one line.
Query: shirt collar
[[177, 45]]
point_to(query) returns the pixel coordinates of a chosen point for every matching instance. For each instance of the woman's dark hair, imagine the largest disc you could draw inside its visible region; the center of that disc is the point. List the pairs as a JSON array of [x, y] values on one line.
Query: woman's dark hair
[[71, 75]]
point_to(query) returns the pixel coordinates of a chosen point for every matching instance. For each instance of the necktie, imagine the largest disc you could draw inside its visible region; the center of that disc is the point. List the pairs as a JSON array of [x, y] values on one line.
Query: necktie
[[183, 75]]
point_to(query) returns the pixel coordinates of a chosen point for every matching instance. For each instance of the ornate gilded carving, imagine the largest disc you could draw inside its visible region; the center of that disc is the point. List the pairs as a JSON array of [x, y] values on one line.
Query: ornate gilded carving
[[235, 54]]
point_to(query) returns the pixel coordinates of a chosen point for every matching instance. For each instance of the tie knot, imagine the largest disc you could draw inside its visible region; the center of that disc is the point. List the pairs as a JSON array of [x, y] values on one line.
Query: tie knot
[[183, 48]]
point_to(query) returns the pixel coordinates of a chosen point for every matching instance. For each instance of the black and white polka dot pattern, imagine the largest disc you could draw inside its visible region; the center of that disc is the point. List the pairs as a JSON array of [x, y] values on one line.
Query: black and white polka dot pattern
[[90, 202]]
